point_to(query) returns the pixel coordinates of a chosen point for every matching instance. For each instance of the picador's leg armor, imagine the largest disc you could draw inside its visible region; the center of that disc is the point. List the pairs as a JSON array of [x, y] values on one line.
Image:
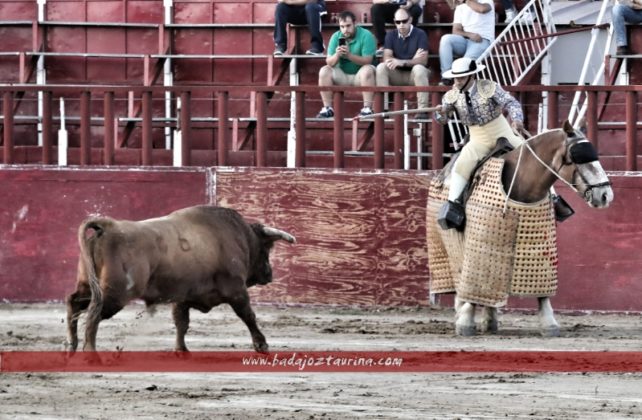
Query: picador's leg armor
[[452, 213]]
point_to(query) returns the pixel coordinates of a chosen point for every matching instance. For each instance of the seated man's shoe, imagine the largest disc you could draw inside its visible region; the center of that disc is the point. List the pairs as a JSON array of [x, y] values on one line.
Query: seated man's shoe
[[326, 112], [451, 215], [562, 209]]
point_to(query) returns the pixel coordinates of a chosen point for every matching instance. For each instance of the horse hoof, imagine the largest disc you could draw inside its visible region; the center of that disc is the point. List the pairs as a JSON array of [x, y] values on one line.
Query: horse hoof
[[465, 330], [550, 332]]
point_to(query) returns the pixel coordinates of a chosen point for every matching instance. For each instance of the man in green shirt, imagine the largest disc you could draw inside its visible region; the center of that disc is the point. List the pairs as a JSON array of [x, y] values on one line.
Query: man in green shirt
[[349, 62]]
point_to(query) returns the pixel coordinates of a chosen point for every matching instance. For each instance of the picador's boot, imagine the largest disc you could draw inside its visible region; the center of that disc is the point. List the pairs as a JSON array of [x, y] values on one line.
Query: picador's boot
[[452, 215], [562, 209]]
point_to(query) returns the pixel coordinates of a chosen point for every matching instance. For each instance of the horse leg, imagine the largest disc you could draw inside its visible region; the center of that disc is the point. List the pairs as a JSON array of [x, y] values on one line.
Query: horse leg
[[548, 325], [489, 322], [465, 321], [458, 304]]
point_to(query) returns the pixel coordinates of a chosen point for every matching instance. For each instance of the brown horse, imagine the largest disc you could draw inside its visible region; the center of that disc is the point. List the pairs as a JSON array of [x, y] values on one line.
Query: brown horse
[[529, 172]]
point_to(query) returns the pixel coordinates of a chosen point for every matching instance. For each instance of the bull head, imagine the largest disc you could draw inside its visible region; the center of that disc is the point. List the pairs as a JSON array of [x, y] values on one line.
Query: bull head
[[262, 270]]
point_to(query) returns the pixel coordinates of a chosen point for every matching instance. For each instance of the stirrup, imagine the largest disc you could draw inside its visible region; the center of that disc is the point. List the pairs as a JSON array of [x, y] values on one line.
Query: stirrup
[[562, 209], [451, 215]]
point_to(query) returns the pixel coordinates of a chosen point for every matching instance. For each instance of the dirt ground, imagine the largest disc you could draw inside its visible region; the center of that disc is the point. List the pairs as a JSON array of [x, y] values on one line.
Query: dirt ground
[[319, 395]]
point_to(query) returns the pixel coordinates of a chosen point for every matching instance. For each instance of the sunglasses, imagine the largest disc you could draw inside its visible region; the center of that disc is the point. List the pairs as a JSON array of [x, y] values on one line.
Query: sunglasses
[[399, 22]]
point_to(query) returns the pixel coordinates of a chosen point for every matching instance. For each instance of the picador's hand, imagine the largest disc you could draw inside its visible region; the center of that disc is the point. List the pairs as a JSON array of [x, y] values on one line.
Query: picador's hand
[[518, 127]]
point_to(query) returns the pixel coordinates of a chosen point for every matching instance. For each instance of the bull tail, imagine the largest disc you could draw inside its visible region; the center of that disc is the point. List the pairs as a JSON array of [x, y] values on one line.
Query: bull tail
[[96, 304]]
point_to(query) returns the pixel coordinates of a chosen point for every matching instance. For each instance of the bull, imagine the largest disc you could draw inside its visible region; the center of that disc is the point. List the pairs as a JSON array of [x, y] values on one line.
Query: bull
[[197, 257]]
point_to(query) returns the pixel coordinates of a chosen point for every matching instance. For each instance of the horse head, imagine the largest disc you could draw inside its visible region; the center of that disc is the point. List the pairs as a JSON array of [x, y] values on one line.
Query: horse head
[[581, 168]]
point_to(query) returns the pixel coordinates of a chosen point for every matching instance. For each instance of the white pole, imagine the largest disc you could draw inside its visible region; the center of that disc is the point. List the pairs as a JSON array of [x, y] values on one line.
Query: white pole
[[62, 137], [177, 151], [40, 72], [168, 77], [291, 145], [406, 139]]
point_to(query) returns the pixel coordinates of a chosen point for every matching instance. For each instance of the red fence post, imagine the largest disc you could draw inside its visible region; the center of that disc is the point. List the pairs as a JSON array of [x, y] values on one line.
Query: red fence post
[[221, 112], [299, 158], [147, 128], [552, 114], [186, 128], [631, 131], [85, 128], [337, 102], [47, 127], [261, 129], [398, 131], [108, 136], [379, 159], [437, 137], [7, 108]]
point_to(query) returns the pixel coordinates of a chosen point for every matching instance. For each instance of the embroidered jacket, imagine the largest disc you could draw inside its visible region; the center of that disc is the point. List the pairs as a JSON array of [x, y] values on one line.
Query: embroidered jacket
[[487, 102]]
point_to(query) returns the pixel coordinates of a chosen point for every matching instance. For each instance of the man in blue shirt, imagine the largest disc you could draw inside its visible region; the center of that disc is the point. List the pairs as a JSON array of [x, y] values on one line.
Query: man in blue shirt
[[405, 56]]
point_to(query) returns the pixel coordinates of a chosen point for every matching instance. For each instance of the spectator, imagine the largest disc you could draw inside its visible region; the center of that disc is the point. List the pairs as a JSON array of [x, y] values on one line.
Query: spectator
[[473, 32], [625, 11], [405, 56], [510, 10], [511, 13], [383, 11], [349, 63], [299, 12]]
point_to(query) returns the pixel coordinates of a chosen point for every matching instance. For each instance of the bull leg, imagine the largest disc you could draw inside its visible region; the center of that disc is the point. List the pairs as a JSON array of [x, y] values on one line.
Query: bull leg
[[548, 325], [241, 305], [465, 323], [111, 307], [77, 302], [489, 323], [180, 313]]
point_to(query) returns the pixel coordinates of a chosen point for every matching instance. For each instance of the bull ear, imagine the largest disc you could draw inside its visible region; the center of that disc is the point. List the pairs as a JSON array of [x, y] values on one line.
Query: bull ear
[[568, 128], [278, 234]]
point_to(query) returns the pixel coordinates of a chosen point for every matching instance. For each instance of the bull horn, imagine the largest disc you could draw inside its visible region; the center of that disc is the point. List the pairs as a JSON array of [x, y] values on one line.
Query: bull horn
[[269, 231]]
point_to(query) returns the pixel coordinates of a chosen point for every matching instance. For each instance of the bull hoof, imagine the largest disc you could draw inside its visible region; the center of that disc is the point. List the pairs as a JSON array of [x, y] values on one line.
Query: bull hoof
[[489, 327], [550, 332], [261, 347], [465, 330]]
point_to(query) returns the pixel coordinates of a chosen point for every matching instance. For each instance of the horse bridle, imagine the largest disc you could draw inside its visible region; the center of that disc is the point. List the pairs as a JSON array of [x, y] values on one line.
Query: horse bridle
[[585, 154]]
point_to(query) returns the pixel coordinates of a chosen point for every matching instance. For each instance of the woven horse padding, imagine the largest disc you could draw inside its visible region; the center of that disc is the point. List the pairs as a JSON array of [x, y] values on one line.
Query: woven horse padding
[[501, 254]]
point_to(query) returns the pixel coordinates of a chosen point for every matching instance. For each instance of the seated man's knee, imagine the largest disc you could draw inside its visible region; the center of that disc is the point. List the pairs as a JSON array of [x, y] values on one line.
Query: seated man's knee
[[382, 69], [419, 72], [366, 75], [325, 76], [445, 40]]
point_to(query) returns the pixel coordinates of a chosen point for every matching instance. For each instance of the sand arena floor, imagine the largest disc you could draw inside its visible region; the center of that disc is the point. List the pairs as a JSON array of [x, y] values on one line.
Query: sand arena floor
[[319, 395]]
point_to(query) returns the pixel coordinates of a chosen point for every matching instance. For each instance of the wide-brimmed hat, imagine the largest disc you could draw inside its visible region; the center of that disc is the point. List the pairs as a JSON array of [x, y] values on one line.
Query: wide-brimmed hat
[[463, 67]]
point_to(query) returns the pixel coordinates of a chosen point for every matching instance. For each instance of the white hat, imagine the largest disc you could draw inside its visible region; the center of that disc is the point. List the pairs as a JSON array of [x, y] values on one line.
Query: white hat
[[463, 67]]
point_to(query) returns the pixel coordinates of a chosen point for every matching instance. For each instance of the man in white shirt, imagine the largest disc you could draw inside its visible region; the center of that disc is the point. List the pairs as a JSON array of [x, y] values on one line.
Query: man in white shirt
[[473, 32]]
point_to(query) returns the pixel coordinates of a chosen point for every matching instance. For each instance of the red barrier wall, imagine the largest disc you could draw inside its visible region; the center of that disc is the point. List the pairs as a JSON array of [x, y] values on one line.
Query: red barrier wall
[[361, 235]]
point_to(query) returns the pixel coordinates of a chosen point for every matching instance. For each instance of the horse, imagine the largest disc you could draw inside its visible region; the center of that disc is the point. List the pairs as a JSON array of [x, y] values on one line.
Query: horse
[[529, 172]]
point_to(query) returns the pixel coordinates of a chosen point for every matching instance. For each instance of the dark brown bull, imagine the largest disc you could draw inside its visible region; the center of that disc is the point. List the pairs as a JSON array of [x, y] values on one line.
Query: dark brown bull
[[197, 257]]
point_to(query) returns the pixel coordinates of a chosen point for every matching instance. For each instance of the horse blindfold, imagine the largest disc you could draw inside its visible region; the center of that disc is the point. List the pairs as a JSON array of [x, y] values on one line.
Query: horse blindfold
[[583, 152]]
